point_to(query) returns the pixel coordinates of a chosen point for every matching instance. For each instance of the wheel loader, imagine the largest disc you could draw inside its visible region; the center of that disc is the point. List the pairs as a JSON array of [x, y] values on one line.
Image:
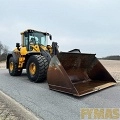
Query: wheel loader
[[71, 72]]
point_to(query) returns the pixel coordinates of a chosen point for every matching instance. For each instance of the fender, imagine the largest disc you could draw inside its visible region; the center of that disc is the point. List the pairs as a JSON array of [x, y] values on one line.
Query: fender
[[46, 54], [15, 55]]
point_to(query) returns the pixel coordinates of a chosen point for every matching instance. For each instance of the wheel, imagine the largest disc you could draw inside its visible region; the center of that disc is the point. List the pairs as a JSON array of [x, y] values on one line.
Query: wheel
[[13, 68], [36, 68]]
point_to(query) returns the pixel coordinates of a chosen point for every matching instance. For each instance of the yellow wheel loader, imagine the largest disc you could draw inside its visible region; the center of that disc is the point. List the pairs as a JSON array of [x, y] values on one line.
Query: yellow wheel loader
[[71, 72]]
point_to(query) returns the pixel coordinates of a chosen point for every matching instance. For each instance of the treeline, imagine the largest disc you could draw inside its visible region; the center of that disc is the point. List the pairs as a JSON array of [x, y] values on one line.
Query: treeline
[[113, 57], [3, 51]]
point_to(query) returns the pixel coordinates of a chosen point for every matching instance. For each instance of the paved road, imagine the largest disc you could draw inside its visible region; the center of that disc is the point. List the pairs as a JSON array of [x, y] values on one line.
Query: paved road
[[51, 105]]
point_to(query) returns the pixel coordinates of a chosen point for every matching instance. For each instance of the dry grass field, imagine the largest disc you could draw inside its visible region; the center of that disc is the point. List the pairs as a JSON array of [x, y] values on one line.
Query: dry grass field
[[113, 66]]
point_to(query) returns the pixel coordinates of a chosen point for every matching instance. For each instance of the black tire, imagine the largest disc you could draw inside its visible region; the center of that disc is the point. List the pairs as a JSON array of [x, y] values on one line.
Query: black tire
[[41, 67], [14, 71]]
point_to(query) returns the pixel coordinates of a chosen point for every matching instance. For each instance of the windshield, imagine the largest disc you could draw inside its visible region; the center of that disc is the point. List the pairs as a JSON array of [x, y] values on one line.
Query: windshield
[[38, 38]]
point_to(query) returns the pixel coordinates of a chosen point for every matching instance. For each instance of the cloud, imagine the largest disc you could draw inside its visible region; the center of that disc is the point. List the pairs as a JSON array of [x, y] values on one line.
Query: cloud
[[91, 25]]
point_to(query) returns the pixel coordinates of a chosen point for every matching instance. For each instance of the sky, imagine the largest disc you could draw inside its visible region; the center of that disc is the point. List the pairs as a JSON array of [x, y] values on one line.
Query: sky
[[93, 26]]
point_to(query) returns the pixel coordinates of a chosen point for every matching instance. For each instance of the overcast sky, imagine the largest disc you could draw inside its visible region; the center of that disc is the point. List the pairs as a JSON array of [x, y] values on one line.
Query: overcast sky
[[93, 26]]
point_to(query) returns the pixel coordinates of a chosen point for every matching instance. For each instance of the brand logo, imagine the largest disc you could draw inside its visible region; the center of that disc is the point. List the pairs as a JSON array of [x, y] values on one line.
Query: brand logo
[[99, 113]]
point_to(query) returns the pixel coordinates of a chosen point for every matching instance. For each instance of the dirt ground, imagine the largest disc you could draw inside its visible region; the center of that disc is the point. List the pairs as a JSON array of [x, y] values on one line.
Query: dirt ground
[[2, 64], [113, 66]]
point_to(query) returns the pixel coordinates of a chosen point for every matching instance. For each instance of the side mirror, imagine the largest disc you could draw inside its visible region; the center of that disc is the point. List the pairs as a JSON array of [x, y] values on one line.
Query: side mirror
[[18, 45], [50, 36]]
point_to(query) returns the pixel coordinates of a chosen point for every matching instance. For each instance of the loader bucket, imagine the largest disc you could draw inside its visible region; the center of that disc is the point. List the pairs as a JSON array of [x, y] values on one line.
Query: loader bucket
[[78, 74]]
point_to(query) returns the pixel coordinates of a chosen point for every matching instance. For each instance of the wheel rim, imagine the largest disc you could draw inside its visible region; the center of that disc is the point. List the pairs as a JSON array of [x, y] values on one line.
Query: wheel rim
[[32, 68], [11, 66]]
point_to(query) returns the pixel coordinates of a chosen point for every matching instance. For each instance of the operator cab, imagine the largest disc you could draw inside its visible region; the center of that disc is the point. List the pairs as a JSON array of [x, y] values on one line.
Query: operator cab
[[33, 37]]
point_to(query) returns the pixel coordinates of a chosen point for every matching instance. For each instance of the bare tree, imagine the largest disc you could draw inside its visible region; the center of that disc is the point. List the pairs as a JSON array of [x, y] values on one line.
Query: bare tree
[[5, 49], [1, 47]]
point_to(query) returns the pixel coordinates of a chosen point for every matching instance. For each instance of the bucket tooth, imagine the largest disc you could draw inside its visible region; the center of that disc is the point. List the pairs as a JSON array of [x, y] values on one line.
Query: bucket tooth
[[78, 74]]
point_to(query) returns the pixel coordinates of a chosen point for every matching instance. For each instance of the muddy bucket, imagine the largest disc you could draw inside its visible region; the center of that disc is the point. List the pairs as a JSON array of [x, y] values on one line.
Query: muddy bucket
[[78, 74]]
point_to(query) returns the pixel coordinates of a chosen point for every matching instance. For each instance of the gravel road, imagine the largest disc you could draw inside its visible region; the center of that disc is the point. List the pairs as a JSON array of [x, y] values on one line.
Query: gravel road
[[6, 113]]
